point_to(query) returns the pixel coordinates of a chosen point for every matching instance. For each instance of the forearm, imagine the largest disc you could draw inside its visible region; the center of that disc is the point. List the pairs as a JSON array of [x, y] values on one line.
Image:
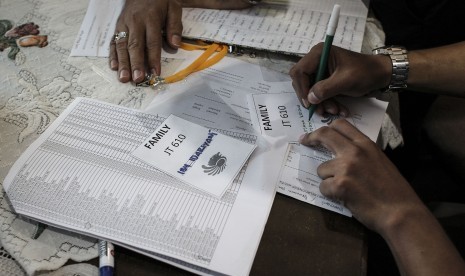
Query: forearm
[[420, 246], [439, 70]]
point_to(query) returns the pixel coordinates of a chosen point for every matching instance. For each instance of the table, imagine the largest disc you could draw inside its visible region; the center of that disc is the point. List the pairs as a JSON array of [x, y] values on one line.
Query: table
[[299, 239], [38, 82]]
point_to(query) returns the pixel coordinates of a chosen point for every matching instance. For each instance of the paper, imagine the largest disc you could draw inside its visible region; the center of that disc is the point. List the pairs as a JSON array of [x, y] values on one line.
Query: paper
[[79, 175], [300, 180], [281, 116], [216, 96], [198, 156], [97, 29], [293, 28], [278, 115]]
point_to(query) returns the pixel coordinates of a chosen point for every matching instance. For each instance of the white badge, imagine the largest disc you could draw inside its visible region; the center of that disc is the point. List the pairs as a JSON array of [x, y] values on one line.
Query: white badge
[[203, 158]]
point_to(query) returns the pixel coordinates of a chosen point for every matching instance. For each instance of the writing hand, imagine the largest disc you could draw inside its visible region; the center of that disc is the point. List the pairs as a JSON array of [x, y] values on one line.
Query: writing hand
[[350, 74]]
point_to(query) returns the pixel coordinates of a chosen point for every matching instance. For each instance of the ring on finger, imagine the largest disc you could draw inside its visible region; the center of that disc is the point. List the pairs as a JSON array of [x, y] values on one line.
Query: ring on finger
[[119, 35]]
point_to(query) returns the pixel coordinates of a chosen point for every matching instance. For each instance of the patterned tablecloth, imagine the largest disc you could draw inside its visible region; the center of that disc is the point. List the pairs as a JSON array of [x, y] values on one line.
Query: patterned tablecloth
[[36, 84]]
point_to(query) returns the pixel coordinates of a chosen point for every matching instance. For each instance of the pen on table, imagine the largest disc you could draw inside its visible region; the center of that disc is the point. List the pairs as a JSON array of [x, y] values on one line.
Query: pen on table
[[106, 258], [330, 31]]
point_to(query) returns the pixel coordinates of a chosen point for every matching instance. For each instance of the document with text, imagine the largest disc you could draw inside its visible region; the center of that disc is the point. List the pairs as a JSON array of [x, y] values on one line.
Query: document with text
[[203, 158], [292, 28], [282, 116], [80, 175]]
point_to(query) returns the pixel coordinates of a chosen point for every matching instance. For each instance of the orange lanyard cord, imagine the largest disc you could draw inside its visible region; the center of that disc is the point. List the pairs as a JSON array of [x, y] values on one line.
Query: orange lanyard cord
[[213, 53]]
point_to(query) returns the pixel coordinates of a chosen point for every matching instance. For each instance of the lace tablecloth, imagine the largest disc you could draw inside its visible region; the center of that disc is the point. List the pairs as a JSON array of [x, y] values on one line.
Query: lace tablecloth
[[36, 84]]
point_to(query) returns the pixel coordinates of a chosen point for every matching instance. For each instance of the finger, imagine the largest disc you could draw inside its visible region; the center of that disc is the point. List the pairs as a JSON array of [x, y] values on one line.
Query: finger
[[136, 49], [113, 58], [215, 4], [303, 73], [299, 91], [333, 107], [154, 44], [326, 169], [330, 107], [174, 24], [324, 89], [327, 137], [346, 129], [330, 188], [123, 57]]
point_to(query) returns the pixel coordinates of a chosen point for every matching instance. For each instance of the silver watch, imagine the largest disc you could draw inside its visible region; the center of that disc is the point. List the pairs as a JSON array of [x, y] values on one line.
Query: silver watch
[[400, 66]]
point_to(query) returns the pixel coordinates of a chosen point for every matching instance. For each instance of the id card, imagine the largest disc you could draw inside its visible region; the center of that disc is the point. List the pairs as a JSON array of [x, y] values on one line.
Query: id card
[[198, 156]]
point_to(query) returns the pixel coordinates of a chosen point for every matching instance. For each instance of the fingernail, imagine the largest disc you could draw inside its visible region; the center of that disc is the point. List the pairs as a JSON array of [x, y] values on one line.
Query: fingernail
[[313, 99], [137, 74], [301, 138], [124, 74], [114, 64], [176, 40], [305, 101]]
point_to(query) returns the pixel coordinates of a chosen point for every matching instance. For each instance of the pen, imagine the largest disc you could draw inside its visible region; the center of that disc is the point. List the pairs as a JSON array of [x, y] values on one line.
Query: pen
[[106, 258], [330, 31]]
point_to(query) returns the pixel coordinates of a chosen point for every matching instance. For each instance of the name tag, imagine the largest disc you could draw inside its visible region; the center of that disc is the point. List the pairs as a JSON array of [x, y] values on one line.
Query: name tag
[[198, 156]]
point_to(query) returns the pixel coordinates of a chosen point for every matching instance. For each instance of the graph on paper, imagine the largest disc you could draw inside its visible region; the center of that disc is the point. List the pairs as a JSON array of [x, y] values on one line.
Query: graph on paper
[[82, 177]]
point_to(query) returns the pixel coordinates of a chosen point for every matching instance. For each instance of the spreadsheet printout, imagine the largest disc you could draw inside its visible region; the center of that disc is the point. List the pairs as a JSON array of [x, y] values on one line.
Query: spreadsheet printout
[[292, 28], [79, 175]]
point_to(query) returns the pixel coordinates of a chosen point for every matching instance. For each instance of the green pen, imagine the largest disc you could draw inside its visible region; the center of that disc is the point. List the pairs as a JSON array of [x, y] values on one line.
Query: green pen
[[330, 31]]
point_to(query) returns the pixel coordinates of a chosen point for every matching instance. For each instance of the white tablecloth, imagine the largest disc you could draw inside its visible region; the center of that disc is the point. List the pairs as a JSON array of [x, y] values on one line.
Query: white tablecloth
[[36, 86]]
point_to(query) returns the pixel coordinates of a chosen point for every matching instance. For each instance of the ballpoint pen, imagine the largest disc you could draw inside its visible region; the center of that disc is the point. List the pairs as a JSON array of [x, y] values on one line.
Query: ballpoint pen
[[330, 31], [106, 258]]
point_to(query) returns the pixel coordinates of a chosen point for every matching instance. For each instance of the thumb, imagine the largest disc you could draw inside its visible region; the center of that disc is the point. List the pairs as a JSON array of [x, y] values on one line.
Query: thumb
[[322, 90]]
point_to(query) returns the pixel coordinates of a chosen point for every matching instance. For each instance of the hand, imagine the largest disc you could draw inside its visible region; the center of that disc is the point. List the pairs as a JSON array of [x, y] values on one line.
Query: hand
[[362, 177], [351, 74], [330, 106], [144, 21]]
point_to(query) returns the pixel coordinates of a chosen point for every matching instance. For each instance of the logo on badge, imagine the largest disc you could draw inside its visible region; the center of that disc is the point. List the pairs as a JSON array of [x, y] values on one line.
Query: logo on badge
[[216, 164]]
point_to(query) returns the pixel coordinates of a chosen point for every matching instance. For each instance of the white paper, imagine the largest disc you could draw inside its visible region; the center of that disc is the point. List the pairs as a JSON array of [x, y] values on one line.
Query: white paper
[[216, 96], [281, 116], [83, 159], [97, 29], [198, 156], [278, 115], [293, 28], [290, 28]]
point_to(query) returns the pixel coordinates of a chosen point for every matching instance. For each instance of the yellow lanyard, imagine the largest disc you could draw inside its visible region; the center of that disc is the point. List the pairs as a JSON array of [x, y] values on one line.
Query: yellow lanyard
[[207, 59]]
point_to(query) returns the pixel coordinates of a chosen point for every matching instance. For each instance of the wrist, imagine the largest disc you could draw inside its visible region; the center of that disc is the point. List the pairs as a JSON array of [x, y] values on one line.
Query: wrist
[[399, 69], [404, 220]]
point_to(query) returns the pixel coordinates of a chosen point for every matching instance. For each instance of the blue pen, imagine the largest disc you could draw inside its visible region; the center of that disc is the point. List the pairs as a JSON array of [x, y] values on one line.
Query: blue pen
[[330, 31], [106, 258]]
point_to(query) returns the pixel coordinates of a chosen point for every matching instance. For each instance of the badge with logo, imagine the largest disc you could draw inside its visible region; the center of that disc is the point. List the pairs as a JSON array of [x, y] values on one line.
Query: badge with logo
[[201, 157]]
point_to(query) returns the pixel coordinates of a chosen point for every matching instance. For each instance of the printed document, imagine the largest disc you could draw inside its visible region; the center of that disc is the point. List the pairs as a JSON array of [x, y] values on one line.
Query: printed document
[[97, 29], [196, 155], [292, 28], [79, 175], [282, 116]]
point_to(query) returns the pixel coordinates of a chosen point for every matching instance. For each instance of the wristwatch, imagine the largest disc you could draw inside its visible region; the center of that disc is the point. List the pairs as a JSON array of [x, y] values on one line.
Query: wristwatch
[[400, 66]]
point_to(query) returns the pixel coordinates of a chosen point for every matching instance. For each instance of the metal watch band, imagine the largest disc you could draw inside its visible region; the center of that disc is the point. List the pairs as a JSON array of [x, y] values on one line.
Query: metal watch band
[[400, 66]]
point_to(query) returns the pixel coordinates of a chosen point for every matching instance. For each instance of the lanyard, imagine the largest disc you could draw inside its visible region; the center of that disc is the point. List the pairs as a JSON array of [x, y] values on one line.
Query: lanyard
[[211, 55]]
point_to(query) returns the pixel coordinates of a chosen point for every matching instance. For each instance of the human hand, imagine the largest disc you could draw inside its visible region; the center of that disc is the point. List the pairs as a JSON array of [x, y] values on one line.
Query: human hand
[[351, 74], [362, 177], [144, 21]]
